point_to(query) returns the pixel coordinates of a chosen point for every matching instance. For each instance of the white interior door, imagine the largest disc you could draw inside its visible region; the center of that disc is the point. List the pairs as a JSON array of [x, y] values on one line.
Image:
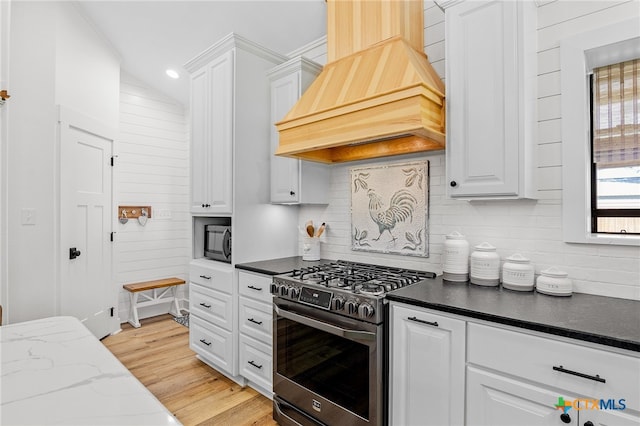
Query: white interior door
[[86, 289]]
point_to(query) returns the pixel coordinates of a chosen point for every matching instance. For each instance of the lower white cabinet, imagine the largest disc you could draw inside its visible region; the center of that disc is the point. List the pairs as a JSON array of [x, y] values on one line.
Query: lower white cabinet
[[427, 367], [255, 324], [516, 378], [453, 370], [212, 321]]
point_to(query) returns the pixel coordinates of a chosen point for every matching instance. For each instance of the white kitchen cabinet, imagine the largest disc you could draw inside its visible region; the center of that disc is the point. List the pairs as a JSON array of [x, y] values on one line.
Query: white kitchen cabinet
[[427, 367], [515, 378], [491, 99], [256, 334], [294, 181], [212, 136], [212, 321]]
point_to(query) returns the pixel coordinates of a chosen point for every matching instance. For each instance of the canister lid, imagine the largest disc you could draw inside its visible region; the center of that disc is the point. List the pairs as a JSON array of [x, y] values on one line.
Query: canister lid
[[554, 272], [455, 235], [485, 247], [517, 258]]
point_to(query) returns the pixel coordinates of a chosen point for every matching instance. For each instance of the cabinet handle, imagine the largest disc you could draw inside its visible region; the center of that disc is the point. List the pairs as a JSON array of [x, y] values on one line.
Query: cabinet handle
[[255, 288], [254, 321], [205, 305], [205, 342], [596, 378], [453, 183], [588, 423], [205, 277], [206, 205], [255, 365], [434, 323], [292, 193], [565, 417]]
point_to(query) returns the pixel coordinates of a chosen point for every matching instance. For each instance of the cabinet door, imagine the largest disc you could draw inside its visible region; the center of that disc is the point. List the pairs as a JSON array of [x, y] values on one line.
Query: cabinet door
[[483, 140], [494, 400], [199, 141], [427, 368], [609, 417], [285, 172], [221, 82]]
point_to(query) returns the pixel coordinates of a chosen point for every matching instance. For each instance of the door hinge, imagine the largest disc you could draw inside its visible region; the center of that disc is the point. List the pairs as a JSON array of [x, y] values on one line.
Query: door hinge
[[111, 310], [111, 236]]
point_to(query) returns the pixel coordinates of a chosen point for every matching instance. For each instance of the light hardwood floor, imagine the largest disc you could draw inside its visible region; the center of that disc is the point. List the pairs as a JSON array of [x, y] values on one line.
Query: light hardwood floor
[[158, 354]]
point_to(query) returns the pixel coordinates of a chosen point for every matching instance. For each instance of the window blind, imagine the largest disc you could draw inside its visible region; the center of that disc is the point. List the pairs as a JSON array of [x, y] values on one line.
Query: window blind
[[616, 109]]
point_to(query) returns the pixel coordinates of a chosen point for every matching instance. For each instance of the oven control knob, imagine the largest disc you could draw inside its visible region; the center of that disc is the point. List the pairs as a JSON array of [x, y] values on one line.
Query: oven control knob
[[274, 288], [294, 292], [284, 290], [338, 303], [366, 310], [352, 306]]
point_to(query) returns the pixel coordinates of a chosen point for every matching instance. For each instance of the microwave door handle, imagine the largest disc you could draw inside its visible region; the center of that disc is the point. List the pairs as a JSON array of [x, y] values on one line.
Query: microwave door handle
[[226, 243], [332, 329]]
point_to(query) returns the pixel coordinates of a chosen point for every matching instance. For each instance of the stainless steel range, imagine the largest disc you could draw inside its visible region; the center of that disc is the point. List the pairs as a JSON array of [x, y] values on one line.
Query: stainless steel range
[[329, 364]]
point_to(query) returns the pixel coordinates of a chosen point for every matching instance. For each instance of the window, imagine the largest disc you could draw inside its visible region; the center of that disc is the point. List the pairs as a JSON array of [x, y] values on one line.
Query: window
[[580, 54], [615, 148]]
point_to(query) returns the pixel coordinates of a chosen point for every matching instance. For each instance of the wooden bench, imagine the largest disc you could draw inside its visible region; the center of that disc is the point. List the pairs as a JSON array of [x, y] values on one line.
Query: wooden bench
[[170, 286]]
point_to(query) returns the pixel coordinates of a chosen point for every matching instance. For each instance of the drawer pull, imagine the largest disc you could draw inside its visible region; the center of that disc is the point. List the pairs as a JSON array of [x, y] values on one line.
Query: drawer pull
[[255, 365], [254, 321], [565, 417], [205, 342], [205, 277], [255, 288], [434, 323], [205, 305], [596, 378]]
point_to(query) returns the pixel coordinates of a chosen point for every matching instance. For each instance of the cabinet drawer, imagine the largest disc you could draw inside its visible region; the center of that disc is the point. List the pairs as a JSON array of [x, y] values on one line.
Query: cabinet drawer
[[255, 362], [534, 358], [256, 320], [211, 342], [212, 276], [255, 286], [211, 305]]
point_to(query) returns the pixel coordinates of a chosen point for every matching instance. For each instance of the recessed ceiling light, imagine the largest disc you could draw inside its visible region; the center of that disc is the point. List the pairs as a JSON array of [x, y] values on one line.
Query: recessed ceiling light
[[173, 74]]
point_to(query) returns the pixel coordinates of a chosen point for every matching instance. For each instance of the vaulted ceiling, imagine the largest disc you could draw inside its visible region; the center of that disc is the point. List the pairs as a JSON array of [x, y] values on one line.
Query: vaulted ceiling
[[153, 35]]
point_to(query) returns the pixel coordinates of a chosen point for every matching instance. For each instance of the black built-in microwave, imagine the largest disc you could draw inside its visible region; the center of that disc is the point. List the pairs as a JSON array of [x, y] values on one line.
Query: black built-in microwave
[[217, 242]]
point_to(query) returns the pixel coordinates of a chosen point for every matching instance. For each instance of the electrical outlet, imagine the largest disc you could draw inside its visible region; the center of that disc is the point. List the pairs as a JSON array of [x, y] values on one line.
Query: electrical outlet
[[28, 216], [163, 214]]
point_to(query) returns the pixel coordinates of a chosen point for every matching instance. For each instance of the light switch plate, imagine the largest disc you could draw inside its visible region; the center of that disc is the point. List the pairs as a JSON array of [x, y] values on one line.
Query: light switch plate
[[28, 216]]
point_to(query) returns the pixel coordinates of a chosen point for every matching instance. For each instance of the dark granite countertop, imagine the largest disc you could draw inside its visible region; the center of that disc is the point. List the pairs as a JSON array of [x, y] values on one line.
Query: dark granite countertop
[[279, 266], [604, 320]]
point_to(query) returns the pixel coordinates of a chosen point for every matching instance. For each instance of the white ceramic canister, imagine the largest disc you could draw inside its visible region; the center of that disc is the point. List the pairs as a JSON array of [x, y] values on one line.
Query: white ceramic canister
[[554, 282], [485, 265], [456, 258], [517, 273], [311, 248]]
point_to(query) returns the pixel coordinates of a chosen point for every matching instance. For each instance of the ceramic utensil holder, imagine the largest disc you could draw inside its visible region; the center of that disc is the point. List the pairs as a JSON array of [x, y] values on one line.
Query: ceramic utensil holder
[[311, 249]]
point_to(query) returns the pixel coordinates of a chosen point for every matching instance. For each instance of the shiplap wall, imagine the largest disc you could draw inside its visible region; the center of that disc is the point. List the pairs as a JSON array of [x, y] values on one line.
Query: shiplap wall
[[152, 168], [532, 228]]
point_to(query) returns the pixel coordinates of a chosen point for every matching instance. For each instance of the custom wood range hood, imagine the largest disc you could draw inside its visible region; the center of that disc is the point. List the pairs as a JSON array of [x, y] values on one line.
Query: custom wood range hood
[[377, 96]]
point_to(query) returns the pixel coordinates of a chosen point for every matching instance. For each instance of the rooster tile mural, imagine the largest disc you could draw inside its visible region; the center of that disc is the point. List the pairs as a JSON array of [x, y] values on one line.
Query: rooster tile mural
[[390, 208]]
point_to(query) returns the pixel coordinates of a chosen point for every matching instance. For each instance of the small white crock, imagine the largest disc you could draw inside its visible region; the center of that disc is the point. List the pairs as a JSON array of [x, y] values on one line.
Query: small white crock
[[517, 273], [485, 265], [554, 282]]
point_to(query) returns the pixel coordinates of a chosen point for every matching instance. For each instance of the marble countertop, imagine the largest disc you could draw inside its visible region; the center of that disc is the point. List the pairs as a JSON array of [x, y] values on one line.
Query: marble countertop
[[603, 320], [55, 372]]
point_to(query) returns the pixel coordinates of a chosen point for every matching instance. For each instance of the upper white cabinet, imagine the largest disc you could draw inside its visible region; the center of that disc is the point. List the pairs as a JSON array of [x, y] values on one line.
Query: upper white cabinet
[[294, 181], [491, 98], [212, 91]]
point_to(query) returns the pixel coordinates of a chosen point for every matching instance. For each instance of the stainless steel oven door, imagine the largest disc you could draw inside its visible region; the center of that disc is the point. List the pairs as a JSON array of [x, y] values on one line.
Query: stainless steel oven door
[[328, 367]]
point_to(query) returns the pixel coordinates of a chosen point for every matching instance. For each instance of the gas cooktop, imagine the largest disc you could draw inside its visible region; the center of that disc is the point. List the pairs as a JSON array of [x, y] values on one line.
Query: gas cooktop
[[348, 288]]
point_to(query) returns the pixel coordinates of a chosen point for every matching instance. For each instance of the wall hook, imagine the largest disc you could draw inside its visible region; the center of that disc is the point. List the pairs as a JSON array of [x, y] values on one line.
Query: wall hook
[[123, 218], [142, 219]]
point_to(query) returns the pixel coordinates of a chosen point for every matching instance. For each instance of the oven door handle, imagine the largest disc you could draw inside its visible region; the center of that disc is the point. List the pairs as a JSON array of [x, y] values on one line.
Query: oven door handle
[[332, 329]]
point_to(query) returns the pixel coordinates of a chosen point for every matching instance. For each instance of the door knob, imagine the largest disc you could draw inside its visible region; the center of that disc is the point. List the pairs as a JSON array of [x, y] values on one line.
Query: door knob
[[74, 252]]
